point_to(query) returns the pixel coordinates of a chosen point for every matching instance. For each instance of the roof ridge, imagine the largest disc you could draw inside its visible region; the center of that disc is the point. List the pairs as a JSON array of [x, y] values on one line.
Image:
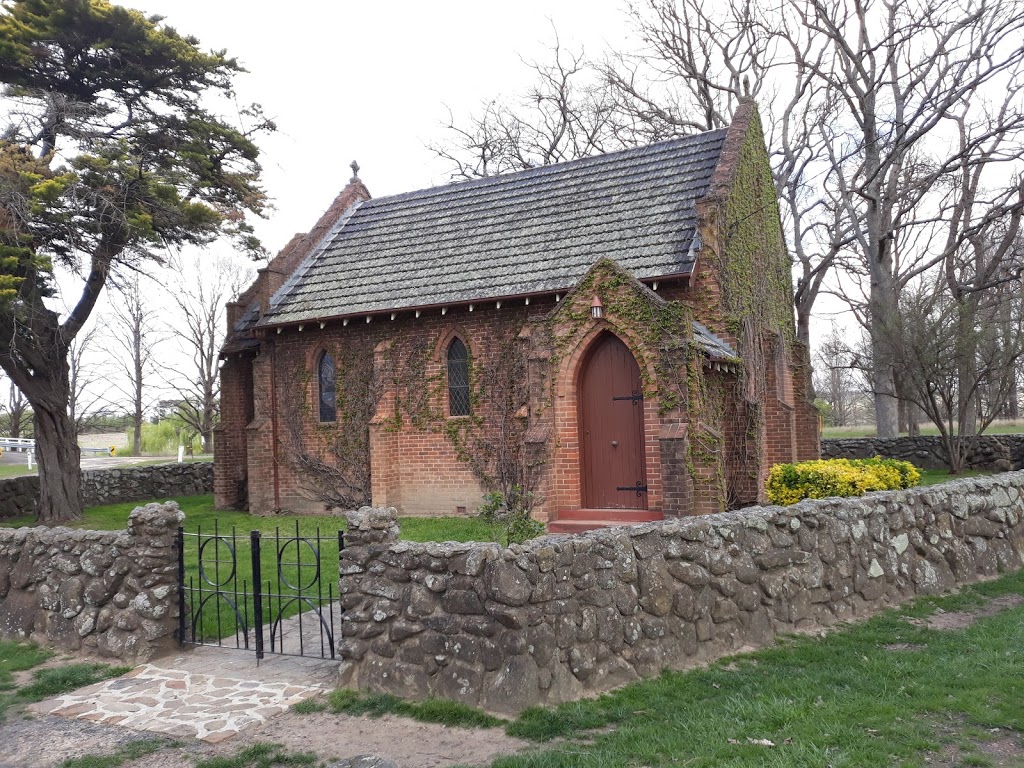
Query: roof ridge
[[553, 167]]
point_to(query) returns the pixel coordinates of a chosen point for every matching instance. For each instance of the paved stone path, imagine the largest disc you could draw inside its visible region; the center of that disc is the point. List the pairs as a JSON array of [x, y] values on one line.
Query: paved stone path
[[178, 702], [208, 692]]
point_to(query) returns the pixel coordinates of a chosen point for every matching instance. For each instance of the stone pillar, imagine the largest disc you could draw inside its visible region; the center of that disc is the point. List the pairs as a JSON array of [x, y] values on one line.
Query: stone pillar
[[371, 530], [110, 592], [372, 525]]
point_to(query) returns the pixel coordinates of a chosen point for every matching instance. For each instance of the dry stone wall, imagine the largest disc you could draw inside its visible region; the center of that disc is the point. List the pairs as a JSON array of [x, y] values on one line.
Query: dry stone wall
[[999, 453], [110, 592], [564, 616], [19, 496]]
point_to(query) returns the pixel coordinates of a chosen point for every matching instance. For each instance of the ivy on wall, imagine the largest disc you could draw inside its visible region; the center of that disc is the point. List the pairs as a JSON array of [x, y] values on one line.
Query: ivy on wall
[[333, 459], [744, 256]]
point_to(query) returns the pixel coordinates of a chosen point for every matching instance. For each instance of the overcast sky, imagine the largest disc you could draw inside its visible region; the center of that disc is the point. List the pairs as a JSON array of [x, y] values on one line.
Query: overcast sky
[[369, 81]]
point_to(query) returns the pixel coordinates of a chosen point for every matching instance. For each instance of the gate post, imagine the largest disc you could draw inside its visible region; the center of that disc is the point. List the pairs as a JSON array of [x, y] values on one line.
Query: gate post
[[257, 592], [182, 621]]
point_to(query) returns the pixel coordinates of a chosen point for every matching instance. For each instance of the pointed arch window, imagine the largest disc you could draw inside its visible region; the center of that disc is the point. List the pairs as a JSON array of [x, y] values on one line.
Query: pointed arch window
[[326, 388], [458, 378]]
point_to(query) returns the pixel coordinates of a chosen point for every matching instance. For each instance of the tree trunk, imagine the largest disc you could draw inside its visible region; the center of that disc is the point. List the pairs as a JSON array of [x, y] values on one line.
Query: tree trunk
[[138, 416], [59, 459], [884, 321], [137, 433]]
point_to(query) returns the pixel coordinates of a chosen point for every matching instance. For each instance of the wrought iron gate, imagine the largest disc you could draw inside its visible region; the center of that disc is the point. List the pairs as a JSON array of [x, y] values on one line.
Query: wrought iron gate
[[263, 593]]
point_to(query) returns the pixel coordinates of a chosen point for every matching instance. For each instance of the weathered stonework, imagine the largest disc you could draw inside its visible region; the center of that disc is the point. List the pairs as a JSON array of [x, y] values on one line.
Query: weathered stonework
[[112, 593], [565, 616], [999, 453], [20, 495]]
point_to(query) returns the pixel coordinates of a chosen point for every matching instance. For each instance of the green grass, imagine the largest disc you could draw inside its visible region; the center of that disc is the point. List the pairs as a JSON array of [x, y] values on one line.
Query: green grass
[[936, 476], [45, 683], [441, 711], [261, 756], [868, 430], [17, 657], [844, 700], [15, 470], [133, 750]]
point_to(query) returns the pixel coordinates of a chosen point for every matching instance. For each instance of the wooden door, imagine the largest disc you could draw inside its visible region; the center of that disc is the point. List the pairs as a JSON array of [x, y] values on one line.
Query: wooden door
[[611, 413]]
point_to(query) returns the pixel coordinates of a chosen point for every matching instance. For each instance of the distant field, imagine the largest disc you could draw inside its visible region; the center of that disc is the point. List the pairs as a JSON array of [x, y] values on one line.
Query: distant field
[[867, 430], [104, 440]]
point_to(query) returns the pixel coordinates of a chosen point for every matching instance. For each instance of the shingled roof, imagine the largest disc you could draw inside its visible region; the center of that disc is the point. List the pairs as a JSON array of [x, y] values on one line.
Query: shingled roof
[[536, 231]]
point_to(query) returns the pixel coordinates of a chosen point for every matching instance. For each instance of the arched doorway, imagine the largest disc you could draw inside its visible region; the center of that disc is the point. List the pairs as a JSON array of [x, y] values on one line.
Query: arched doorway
[[611, 423]]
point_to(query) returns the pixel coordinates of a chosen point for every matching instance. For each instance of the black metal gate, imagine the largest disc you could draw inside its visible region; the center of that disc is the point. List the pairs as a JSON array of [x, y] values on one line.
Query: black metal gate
[[262, 593]]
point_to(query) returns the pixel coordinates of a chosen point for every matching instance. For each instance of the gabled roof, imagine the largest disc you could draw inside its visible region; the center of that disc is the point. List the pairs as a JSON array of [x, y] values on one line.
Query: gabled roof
[[536, 231]]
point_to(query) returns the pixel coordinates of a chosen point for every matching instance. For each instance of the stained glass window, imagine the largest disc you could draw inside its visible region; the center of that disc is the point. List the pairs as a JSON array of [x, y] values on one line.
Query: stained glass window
[[328, 393], [458, 378]]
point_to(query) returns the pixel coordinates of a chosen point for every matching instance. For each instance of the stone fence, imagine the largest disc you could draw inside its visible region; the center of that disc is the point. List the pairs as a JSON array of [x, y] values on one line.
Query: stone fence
[[565, 616], [110, 592], [20, 495], [999, 453]]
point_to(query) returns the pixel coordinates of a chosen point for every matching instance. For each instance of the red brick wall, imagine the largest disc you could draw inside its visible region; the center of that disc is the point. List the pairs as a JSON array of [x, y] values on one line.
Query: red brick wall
[[414, 467], [260, 459], [230, 461]]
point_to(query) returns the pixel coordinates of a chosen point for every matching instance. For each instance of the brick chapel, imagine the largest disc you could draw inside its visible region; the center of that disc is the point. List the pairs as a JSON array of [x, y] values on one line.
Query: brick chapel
[[611, 338]]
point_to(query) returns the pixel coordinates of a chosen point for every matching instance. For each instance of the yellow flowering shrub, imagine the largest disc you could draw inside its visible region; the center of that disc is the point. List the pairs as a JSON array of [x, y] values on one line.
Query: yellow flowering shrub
[[790, 483]]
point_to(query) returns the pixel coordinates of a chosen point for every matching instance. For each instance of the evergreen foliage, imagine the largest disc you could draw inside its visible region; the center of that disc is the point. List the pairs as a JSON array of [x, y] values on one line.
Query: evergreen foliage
[[112, 152]]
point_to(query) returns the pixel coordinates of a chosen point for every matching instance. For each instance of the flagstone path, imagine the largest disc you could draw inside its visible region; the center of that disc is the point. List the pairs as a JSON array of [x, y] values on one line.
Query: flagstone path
[[207, 693]]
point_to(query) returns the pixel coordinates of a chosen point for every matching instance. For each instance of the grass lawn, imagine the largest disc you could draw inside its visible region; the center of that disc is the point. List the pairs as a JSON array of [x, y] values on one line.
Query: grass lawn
[[278, 531], [44, 683], [15, 470], [935, 476], [868, 430]]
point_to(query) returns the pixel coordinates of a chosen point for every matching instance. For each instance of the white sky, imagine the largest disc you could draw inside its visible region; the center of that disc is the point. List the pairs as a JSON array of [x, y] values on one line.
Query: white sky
[[369, 81]]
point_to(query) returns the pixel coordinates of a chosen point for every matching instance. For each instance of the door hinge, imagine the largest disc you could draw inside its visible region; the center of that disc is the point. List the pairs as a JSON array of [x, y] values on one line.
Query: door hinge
[[640, 488], [636, 397]]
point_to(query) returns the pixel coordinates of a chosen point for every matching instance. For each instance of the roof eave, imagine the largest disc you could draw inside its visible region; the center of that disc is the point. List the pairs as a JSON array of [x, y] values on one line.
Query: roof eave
[[269, 322]]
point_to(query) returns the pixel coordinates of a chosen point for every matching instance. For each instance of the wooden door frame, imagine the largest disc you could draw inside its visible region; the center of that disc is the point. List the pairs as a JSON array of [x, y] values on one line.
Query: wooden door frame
[[565, 489]]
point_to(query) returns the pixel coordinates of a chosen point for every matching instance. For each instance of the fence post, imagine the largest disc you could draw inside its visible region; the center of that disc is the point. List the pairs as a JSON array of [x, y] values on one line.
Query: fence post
[[257, 593]]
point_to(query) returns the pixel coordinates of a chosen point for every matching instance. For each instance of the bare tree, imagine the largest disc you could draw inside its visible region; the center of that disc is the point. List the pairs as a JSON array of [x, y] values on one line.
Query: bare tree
[[951, 349], [134, 337], [565, 114], [84, 376], [197, 324], [19, 416], [836, 380], [877, 110]]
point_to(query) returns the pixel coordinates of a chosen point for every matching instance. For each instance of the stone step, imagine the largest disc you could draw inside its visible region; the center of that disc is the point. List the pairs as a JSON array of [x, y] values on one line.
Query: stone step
[[619, 516], [579, 526]]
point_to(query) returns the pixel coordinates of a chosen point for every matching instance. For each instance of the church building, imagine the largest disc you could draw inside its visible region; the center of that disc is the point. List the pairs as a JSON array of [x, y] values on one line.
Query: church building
[[605, 340]]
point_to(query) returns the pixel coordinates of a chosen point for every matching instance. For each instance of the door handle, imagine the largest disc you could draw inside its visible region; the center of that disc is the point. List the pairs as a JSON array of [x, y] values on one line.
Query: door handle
[[615, 443]]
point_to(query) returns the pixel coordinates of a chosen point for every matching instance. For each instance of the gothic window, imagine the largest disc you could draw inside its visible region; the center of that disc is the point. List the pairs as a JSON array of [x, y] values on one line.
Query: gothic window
[[328, 395], [458, 378]]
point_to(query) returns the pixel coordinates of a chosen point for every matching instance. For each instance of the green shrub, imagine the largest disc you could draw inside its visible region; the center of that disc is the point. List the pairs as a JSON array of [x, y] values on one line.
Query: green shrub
[[790, 483], [164, 437], [511, 516]]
